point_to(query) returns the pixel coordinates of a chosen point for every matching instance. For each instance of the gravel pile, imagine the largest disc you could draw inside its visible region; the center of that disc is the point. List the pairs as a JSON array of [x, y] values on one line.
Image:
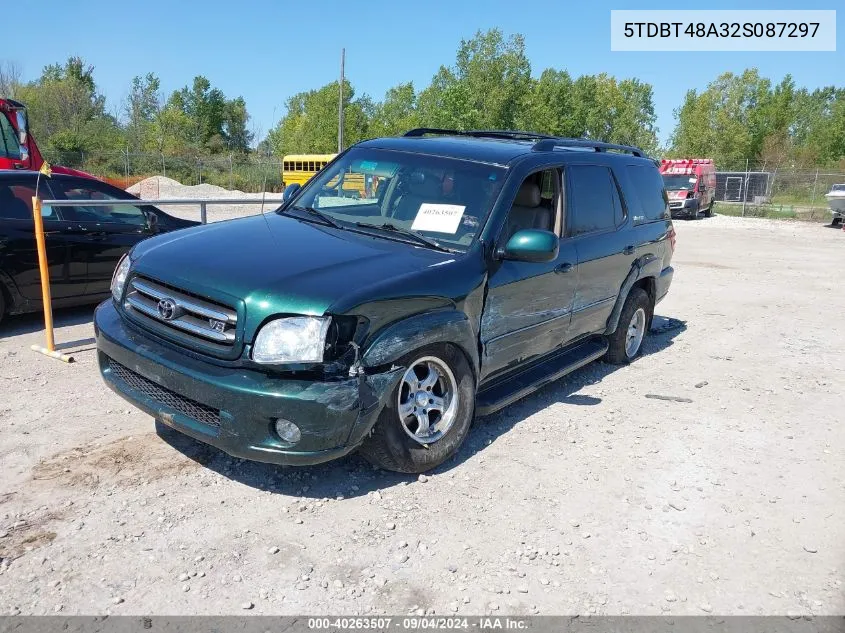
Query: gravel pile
[[162, 187]]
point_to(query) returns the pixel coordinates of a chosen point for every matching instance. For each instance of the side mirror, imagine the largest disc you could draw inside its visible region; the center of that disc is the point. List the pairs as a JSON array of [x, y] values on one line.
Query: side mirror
[[531, 245], [290, 191], [152, 221]]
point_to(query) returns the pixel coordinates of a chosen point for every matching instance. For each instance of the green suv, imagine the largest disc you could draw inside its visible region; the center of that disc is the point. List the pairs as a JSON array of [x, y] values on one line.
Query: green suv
[[411, 284]]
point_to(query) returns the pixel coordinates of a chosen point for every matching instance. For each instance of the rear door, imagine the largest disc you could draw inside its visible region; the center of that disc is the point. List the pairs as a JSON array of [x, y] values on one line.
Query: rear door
[[596, 213], [18, 252], [107, 232]]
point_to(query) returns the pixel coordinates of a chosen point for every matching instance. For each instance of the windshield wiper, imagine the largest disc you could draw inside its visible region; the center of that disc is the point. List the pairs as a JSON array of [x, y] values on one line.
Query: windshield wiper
[[387, 226], [318, 214]]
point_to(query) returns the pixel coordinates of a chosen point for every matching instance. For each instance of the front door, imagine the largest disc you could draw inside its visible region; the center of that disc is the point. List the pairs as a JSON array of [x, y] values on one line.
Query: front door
[[18, 251], [107, 232], [527, 310]]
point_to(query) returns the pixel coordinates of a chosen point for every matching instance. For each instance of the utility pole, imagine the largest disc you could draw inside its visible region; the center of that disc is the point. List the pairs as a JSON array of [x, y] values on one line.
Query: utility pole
[[340, 104]]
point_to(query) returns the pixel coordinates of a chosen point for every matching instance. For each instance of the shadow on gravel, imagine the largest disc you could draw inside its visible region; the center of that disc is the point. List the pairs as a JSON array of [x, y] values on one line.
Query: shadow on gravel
[[34, 322], [353, 477]]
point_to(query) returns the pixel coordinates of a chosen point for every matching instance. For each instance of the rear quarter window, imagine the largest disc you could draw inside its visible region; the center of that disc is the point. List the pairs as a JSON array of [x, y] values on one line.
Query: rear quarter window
[[647, 185]]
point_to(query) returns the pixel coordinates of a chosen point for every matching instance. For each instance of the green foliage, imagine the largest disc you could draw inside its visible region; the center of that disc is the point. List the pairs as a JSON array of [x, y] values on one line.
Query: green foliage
[[67, 114], [310, 125], [488, 87], [744, 117]]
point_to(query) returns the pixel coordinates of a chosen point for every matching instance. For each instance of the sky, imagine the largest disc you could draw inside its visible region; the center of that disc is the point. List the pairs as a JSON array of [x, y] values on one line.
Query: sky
[[266, 51]]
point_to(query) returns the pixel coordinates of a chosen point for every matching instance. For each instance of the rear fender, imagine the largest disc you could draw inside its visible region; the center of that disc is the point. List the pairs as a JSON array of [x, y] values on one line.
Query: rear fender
[[646, 266]]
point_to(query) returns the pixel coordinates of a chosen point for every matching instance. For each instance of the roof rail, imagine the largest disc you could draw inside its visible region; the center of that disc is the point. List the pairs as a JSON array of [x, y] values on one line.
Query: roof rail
[[502, 134], [547, 144]]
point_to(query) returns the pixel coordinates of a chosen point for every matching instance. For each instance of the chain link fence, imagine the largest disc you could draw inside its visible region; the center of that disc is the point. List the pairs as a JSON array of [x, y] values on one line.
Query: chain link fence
[[237, 172], [765, 190], [761, 190]]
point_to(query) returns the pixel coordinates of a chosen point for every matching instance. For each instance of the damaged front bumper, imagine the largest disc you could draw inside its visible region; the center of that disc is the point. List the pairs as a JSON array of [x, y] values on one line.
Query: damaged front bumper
[[235, 409]]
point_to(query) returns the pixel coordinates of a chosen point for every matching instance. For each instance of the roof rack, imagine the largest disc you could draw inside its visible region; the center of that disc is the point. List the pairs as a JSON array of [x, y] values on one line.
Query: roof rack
[[548, 144], [502, 134], [544, 142]]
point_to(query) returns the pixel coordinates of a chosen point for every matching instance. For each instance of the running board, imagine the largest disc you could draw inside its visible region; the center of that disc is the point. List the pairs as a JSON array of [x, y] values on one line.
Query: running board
[[508, 389]]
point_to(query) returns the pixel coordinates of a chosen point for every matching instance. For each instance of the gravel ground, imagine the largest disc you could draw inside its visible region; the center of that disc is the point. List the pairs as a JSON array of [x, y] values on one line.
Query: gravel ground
[[586, 497]]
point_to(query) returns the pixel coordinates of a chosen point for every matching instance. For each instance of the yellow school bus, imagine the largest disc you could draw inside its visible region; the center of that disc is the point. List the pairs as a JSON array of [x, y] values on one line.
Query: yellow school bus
[[299, 168]]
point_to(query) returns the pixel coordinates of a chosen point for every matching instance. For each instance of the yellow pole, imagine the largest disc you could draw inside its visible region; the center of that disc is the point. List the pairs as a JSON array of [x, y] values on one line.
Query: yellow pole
[[50, 350]]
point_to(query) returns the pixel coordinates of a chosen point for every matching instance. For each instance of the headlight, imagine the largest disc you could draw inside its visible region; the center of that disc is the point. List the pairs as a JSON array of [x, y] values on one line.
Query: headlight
[[118, 279], [291, 340]]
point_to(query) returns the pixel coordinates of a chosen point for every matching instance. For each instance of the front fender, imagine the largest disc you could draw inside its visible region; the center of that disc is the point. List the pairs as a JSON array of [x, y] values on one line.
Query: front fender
[[646, 266], [429, 328]]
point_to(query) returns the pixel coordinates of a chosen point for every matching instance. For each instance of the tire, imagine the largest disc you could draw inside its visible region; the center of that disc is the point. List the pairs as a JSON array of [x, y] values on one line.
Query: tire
[[637, 305], [2, 302], [836, 222], [402, 446], [709, 212]]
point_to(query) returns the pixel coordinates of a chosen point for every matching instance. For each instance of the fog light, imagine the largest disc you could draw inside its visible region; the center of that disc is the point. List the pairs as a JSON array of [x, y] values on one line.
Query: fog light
[[288, 431]]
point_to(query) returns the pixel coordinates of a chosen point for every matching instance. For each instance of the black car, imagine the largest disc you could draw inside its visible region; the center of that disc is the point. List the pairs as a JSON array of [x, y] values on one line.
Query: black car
[[482, 266], [84, 243]]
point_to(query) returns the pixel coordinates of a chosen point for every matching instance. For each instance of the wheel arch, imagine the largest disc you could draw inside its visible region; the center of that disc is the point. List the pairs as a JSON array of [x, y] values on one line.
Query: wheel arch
[[643, 274], [444, 327]]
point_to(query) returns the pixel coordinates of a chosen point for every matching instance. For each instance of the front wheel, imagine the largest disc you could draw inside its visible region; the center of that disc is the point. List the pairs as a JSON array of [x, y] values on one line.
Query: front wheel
[[428, 415], [626, 342]]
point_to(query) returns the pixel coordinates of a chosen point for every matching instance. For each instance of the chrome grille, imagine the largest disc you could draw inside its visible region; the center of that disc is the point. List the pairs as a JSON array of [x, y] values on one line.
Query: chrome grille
[[676, 205], [171, 399], [178, 310]]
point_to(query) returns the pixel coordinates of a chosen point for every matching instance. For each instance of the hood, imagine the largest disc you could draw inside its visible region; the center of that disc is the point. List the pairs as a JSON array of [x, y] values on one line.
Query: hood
[[274, 264]]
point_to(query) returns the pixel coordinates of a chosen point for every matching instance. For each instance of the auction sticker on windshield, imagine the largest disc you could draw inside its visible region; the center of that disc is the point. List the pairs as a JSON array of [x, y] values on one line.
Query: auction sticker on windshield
[[440, 218]]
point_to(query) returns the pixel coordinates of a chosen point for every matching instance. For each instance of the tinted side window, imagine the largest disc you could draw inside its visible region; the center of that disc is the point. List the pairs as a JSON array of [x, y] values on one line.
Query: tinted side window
[[16, 201], [648, 186], [593, 198], [120, 214]]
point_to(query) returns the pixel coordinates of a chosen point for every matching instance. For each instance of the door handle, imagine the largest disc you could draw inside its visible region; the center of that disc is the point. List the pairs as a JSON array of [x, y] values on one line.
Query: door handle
[[19, 166], [563, 268], [628, 250]]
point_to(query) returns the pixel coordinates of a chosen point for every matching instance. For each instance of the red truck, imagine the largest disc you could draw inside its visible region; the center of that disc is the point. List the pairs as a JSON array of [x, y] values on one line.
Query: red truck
[[17, 147], [690, 184]]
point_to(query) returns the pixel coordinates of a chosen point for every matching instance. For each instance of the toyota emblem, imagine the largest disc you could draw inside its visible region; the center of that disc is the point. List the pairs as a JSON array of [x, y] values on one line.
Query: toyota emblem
[[167, 308]]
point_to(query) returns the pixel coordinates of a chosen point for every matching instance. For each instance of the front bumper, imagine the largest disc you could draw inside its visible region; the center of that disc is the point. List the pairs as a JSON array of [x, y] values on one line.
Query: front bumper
[[663, 282], [689, 208], [234, 408]]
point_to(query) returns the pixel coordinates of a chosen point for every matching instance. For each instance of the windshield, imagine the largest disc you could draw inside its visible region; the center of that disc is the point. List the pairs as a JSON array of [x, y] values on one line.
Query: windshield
[[443, 199], [675, 182]]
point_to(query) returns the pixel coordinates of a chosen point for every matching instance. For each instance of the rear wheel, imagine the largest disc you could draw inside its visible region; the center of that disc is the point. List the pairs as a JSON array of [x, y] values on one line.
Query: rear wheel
[[626, 342], [428, 415], [2, 302]]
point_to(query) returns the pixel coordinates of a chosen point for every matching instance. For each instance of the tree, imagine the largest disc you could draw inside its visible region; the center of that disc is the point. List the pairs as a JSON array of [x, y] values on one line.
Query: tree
[[485, 89], [397, 113], [10, 79], [310, 124], [141, 109], [66, 112]]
